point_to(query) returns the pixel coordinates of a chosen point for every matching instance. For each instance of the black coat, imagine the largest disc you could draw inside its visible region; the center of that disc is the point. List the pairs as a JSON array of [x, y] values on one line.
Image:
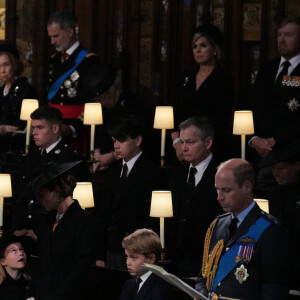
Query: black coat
[[11, 289], [64, 254], [126, 207], [26, 211], [154, 288], [267, 268], [193, 213], [10, 108], [271, 113], [214, 100]]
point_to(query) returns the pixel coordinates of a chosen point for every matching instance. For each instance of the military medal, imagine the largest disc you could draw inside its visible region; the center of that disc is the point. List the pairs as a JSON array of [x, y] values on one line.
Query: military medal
[[245, 251], [72, 92], [241, 274], [293, 81], [293, 104]]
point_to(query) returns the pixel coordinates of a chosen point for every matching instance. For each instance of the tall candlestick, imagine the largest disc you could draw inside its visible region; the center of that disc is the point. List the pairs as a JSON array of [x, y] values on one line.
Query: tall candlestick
[[243, 141], [162, 232], [163, 142], [92, 137], [28, 128], [1, 211]]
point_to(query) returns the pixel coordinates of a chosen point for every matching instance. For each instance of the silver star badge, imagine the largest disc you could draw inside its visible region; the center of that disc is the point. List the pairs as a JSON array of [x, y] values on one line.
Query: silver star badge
[[241, 274], [293, 104]]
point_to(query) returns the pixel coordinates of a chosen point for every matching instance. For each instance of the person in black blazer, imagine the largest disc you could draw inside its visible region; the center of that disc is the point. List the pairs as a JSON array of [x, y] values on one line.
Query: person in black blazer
[[247, 246], [276, 101], [65, 236], [143, 246], [49, 148], [126, 202], [194, 195]]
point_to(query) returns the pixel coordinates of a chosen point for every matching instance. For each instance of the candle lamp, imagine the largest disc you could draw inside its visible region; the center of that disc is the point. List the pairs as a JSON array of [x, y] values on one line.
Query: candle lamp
[[28, 106], [83, 192], [92, 116], [5, 191], [243, 125], [163, 119], [161, 207]]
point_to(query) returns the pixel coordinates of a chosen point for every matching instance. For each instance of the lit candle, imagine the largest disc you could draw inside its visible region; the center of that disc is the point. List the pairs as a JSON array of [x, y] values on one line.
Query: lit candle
[[92, 137], [162, 232], [163, 142]]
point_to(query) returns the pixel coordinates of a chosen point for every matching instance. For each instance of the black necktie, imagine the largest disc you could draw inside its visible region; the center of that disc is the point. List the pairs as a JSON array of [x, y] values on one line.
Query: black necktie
[[44, 153], [191, 179], [124, 172], [232, 226], [283, 72], [136, 288]]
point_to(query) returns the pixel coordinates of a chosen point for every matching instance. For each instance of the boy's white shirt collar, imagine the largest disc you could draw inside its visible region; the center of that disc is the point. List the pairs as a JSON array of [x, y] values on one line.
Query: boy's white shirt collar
[[144, 277], [131, 163]]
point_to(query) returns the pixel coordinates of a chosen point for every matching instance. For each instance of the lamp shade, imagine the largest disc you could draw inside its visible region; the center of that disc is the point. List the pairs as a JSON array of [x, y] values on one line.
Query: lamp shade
[[28, 106], [5, 185], [243, 122], [164, 117], [83, 192], [263, 204], [161, 204], [92, 114]]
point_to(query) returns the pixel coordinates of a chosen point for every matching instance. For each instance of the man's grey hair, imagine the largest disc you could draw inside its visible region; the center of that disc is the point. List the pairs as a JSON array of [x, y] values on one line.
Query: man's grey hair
[[204, 126], [65, 19]]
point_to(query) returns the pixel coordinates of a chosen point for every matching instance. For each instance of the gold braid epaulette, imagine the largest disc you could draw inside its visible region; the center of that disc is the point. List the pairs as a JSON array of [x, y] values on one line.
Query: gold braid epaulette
[[210, 262]]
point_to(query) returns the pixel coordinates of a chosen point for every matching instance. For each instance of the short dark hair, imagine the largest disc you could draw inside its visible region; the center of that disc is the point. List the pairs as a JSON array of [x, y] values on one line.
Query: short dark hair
[[66, 183], [51, 114], [143, 241], [65, 19], [204, 126], [127, 126]]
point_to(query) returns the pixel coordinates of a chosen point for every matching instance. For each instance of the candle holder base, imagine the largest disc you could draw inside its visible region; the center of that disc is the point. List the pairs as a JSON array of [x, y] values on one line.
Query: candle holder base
[[162, 162], [163, 261]]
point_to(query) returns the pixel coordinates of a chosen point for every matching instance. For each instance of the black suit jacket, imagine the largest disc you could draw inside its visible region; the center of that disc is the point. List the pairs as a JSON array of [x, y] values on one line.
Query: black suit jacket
[[64, 254], [272, 115], [26, 211], [154, 288], [267, 266], [193, 214], [126, 207]]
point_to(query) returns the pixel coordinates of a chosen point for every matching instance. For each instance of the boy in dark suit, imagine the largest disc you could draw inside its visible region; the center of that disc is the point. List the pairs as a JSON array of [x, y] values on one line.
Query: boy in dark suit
[[143, 246], [125, 205]]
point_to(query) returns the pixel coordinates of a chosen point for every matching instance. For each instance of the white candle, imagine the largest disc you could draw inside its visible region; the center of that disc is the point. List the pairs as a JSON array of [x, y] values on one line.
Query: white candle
[[162, 232], [92, 137], [243, 141], [28, 132], [163, 142]]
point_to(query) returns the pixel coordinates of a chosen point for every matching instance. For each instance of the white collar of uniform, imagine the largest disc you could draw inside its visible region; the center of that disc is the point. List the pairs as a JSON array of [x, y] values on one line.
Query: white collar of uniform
[[53, 145], [73, 48], [201, 167], [144, 277], [294, 62], [131, 162]]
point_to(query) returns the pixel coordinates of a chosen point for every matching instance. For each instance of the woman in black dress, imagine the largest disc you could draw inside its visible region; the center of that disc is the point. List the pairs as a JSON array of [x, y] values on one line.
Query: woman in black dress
[[207, 91]]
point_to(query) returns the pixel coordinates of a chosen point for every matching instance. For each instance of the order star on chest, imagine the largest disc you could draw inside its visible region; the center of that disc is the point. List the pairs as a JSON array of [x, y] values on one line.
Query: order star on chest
[[293, 104]]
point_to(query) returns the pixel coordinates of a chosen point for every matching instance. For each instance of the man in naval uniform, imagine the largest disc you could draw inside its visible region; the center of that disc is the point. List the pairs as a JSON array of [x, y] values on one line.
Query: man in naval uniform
[[51, 148], [245, 251], [67, 70]]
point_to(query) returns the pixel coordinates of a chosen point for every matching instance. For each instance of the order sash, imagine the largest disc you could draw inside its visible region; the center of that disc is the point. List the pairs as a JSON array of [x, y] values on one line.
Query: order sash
[[227, 262], [56, 85]]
